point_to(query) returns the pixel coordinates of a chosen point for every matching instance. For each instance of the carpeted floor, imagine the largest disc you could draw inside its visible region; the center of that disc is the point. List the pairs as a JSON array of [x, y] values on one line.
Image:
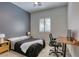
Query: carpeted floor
[[43, 53]]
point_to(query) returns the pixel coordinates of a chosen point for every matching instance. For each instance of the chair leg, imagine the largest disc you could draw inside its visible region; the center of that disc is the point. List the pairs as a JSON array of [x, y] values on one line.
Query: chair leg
[[60, 53], [55, 52], [51, 50], [51, 53]]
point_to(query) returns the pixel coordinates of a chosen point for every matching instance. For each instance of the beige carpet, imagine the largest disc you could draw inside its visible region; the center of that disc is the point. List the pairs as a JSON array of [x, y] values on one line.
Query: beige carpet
[[43, 53]]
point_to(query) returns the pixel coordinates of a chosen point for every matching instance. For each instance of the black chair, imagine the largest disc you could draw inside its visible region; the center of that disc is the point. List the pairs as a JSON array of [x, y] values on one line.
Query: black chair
[[56, 46]]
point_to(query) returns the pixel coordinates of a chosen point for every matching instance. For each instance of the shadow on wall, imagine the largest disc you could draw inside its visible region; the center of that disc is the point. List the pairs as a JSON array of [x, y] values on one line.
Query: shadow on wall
[[74, 50], [74, 34]]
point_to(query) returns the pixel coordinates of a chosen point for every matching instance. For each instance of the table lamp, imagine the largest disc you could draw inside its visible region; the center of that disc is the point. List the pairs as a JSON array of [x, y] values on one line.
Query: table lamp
[[2, 36], [29, 33]]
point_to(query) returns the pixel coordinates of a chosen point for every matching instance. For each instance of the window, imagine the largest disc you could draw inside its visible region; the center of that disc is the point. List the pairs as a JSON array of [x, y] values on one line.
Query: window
[[44, 25], [41, 27]]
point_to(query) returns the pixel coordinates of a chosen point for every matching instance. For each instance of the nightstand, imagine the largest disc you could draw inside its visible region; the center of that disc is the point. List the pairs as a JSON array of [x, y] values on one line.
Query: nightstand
[[5, 46]]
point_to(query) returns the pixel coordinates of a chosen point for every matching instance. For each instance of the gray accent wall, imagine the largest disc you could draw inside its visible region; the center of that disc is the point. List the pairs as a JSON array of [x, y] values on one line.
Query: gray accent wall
[[14, 21]]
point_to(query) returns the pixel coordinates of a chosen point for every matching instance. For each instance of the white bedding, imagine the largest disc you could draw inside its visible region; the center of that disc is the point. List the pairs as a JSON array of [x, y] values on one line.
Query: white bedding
[[15, 39], [25, 46]]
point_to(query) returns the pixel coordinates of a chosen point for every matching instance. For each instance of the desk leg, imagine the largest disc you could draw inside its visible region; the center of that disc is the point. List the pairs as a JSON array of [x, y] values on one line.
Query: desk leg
[[64, 50]]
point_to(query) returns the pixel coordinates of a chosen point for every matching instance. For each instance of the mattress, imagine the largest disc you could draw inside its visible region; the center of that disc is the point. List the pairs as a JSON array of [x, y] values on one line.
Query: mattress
[[16, 39], [24, 47], [30, 47]]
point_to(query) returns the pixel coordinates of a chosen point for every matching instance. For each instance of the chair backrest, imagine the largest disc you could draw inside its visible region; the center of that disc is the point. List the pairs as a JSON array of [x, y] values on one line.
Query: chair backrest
[[51, 37], [53, 41]]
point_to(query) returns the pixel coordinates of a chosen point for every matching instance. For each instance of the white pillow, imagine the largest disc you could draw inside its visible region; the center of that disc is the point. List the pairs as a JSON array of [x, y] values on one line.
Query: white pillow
[[19, 38]]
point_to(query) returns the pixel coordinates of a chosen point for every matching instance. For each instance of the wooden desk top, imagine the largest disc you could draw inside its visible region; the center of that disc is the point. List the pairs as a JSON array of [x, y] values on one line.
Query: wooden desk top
[[65, 41]]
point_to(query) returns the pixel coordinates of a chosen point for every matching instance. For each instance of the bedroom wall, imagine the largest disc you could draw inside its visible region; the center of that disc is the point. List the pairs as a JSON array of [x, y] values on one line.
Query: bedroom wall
[[58, 22], [73, 24], [14, 21]]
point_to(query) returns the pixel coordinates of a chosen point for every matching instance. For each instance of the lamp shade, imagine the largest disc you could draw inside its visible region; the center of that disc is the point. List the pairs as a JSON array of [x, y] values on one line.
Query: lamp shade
[[2, 35], [29, 33]]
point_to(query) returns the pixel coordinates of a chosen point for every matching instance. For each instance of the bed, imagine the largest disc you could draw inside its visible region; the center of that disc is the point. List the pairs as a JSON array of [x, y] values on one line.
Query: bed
[[27, 46]]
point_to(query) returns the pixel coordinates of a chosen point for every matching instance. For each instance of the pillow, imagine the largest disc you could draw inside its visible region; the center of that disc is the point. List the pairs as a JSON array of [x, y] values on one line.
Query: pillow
[[19, 38]]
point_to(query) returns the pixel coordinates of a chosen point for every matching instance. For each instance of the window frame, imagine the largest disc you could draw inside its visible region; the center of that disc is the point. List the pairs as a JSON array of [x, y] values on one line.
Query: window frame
[[44, 22]]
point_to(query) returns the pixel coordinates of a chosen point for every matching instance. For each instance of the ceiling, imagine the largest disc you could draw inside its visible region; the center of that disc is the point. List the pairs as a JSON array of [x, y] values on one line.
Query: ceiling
[[29, 6]]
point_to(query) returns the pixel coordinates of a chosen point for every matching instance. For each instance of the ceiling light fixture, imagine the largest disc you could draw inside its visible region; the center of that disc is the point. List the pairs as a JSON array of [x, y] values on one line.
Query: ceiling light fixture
[[37, 4]]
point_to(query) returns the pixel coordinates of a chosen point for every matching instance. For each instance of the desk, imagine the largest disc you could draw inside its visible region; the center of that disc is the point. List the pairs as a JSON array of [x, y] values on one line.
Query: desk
[[64, 41]]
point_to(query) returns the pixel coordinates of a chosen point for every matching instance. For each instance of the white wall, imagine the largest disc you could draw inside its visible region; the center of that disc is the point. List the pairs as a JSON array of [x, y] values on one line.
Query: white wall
[[73, 23], [58, 22]]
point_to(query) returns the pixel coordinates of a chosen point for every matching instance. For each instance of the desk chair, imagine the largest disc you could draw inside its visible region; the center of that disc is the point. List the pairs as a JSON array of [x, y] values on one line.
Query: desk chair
[[54, 44]]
